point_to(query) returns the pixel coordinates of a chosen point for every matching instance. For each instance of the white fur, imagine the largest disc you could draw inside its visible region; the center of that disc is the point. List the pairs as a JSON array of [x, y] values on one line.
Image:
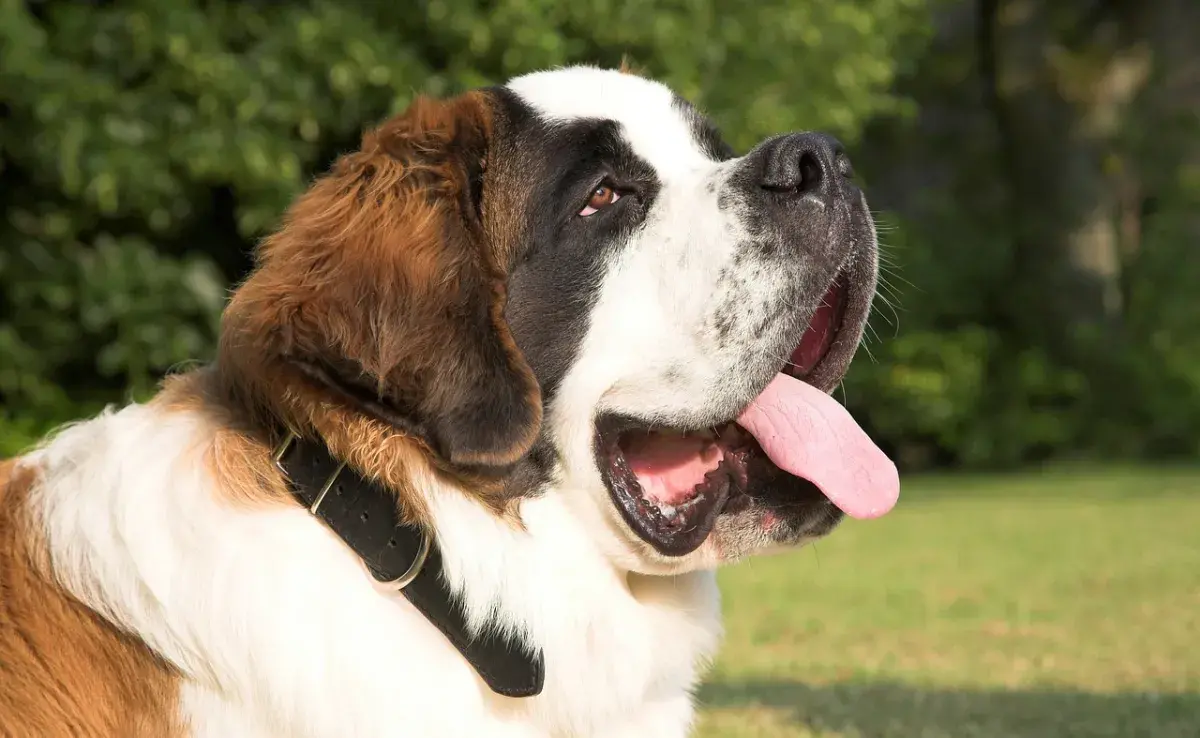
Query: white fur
[[278, 631], [643, 107]]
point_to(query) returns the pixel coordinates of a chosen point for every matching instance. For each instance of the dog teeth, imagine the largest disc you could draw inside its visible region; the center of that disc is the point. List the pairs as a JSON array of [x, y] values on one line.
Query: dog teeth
[[669, 513]]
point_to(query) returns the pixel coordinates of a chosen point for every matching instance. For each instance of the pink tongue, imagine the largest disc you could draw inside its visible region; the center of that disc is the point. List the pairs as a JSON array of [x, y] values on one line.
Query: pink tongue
[[808, 434]]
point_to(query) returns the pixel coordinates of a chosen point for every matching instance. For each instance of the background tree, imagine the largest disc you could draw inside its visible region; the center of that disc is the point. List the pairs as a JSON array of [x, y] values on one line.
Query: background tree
[[1047, 199], [1042, 201]]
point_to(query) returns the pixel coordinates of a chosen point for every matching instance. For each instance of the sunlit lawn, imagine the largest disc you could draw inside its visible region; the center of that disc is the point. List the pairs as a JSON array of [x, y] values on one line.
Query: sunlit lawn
[[1051, 605]]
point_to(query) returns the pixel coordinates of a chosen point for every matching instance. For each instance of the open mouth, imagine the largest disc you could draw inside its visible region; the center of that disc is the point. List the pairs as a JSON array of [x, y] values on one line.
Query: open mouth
[[672, 484]]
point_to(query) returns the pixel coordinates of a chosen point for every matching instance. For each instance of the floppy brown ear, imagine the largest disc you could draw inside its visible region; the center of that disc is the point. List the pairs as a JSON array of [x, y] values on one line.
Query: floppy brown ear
[[382, 290]]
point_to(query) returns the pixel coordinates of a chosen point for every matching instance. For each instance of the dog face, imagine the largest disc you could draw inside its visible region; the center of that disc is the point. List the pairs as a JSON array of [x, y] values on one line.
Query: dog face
[[668, 284], [572, 285]]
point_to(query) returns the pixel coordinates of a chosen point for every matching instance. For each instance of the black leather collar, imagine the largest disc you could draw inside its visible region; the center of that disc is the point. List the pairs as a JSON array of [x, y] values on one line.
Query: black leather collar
[[401, 558]]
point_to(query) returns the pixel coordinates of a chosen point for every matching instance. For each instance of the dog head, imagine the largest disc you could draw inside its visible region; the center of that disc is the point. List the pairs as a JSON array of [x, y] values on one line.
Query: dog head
[[571, 285]]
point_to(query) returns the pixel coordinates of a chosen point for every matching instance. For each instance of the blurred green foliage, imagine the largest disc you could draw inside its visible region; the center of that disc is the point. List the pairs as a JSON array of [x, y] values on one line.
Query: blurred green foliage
[[145, 145], [1043, 239]]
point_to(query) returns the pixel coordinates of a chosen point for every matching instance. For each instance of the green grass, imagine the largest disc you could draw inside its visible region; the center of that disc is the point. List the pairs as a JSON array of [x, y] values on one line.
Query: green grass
[[1054, 605]]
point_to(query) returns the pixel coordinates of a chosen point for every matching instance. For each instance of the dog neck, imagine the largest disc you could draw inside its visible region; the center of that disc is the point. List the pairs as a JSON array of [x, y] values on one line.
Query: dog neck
[[401, 557]]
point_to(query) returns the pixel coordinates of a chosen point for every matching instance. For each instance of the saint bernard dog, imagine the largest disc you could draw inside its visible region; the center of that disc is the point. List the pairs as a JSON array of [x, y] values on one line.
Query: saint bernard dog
[[504, 388]]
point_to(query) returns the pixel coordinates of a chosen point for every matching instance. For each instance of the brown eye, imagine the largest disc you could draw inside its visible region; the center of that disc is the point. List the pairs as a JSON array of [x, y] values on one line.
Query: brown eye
[[603, 196]]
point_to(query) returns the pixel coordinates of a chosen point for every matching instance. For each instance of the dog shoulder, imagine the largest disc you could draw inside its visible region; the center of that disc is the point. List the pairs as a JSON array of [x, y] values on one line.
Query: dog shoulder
[[66, 670]]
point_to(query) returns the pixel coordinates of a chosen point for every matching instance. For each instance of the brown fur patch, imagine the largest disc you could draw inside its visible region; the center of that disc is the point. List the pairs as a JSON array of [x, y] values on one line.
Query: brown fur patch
[[628, 67], [239, 458], [64, 670], [374, 319], [238, 455]]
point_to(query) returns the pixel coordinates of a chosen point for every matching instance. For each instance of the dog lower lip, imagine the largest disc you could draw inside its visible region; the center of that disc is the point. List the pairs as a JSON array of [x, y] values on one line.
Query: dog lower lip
[[676, 529]]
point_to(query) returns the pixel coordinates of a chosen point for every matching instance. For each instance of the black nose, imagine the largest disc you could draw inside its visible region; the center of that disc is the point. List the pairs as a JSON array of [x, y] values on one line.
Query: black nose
[[805, 163]]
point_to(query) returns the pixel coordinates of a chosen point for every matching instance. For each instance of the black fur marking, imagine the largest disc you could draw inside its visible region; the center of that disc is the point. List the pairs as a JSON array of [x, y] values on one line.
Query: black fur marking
[[552, 291], [556, 283]]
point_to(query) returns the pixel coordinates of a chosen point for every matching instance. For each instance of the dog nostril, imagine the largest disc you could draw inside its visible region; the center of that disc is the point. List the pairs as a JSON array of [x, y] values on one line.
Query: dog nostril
[[810, 173]]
